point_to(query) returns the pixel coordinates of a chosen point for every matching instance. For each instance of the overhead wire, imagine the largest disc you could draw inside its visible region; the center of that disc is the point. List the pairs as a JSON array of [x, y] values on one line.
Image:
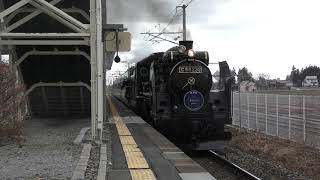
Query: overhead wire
[[180, 3], [169, 23], [172, 13], [189, 3], [174, 16]]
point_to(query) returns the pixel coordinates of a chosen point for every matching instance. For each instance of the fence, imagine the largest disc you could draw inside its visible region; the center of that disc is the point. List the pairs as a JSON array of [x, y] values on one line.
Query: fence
[[296, 118]]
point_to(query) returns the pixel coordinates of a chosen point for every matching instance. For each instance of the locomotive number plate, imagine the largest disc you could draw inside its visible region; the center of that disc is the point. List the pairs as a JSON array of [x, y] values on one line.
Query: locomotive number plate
[[190, 69]]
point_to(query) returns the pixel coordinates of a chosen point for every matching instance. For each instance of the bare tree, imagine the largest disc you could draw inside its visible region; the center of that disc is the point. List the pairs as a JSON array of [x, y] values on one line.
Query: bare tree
[[11, 100], [264, 76], [261, 82]]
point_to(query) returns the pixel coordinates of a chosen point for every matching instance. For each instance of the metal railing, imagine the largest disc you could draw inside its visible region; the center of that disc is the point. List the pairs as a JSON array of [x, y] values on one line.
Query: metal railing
[[292, 117]]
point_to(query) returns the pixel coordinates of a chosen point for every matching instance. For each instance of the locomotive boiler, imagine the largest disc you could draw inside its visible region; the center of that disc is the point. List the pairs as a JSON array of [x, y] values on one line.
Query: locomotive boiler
[[175, 92]]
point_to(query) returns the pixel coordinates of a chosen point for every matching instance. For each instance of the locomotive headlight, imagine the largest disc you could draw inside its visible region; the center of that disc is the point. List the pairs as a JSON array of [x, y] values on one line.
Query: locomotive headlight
[[191, 53], [182, 49]]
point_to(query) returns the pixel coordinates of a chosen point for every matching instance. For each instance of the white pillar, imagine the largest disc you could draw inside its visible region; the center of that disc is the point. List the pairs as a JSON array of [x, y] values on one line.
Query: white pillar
[[257, 124], [233, 116], [240, 121], [100, 68], [266, 112], [289, 116], [248, 108], [304, 117], [93, 62], [277, 113]]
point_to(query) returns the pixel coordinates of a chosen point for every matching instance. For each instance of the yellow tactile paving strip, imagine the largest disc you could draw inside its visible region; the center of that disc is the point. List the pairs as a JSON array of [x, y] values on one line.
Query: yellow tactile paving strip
[[145, 174], [137, 164], [136, 160], [130, 148], [127, 140], [122, 129]]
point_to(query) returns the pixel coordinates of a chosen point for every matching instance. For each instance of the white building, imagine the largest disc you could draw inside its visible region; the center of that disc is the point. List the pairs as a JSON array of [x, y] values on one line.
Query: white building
[[247, 86], [310, 81]]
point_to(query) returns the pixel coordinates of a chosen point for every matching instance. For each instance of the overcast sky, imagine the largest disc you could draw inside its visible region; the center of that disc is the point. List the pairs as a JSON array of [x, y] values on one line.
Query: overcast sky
[[266, 36]]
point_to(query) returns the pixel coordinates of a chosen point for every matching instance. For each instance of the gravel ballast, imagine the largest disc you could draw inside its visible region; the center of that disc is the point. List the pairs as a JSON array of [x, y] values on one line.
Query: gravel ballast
[[48, 151], [262, 168], [259, 154]]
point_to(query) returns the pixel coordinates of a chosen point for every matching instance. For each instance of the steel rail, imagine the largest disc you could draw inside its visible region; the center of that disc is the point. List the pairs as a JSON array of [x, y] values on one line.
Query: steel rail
[[234, 166]]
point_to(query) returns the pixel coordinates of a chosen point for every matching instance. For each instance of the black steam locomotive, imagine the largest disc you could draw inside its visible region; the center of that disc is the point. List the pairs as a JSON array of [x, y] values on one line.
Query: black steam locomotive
[[174, 91]]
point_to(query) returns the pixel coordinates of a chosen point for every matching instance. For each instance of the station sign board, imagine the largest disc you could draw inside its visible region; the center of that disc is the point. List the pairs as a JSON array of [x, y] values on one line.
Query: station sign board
[[124, 41]]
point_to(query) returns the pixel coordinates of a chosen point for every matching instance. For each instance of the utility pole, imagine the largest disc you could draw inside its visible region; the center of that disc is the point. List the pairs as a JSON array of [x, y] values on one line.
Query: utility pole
[[156, 35], [184, 21]]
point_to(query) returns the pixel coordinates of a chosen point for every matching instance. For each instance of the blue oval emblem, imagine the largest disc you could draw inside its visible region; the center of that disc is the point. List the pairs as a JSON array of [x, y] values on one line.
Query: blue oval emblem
[[193, 100]]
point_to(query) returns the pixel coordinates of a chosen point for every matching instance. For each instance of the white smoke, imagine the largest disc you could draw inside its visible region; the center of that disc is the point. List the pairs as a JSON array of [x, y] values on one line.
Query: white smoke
[[140, 16]]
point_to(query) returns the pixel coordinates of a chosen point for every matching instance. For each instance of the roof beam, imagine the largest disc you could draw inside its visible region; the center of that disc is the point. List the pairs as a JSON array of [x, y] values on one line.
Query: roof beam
[[44, 35], [62, 14], [67, 10], [27, 18], [45, 42], [13, 8], [59, 84], [58, 18], [51, 53]]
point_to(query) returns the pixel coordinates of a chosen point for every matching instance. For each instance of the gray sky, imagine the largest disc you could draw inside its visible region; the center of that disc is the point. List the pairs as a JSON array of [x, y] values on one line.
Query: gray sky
[[266, 36], [5, 58]]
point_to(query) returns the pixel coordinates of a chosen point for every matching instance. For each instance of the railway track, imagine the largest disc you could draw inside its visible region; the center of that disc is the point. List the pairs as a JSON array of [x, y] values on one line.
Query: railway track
[[217, 164], [237, 170]]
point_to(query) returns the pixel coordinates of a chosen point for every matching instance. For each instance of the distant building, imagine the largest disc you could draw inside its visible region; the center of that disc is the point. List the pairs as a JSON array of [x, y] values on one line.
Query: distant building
[[247, 86], [310, 81], [278, 84], [289, 84]]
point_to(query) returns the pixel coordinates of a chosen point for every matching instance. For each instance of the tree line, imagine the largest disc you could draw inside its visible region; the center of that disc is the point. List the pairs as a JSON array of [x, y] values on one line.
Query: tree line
[[296, 76]]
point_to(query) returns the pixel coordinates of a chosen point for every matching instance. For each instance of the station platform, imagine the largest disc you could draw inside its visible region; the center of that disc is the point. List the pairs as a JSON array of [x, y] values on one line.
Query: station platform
[[139, 152]]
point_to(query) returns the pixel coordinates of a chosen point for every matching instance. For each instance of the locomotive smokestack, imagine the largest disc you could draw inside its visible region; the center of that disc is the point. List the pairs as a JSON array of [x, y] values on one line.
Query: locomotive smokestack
[[187, 44]]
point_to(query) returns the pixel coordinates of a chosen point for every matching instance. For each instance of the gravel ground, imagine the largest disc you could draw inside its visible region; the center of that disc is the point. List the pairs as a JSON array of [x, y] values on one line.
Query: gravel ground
[[48, 151], [93, 163], [300, 162], [94, 160]]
